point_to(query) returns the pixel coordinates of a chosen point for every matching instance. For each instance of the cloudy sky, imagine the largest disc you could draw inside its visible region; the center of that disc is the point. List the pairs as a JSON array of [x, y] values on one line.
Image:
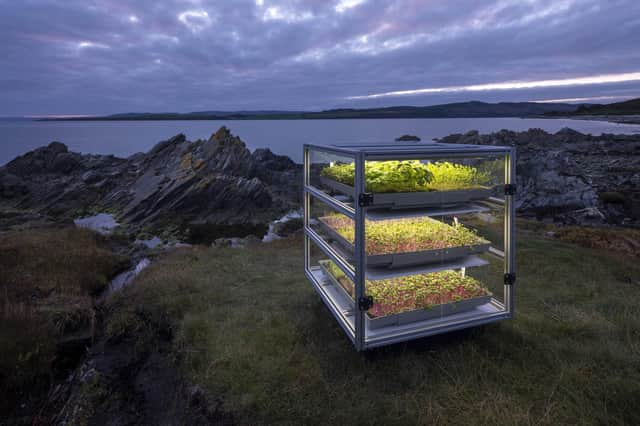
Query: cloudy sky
[[108, 56]]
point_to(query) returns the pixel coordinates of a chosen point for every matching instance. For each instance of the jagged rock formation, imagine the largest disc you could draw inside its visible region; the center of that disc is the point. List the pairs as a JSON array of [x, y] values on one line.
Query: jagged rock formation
[[572, 178], [179, 185], [176, 184]]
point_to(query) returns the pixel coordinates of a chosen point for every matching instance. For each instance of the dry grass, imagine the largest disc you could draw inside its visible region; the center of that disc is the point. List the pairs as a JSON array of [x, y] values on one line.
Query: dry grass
[[624, 241], [47, 280], [248, 328]]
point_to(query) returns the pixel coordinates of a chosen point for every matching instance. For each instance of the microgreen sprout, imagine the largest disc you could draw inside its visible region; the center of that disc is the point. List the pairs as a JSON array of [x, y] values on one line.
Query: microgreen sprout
[[409, 293], [405, 235], [411, 176]]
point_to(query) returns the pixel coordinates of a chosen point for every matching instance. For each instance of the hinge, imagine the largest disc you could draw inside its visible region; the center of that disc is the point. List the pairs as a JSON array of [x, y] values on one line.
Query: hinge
[[509, 278], [365, 303], [510, 189], [365, 199]]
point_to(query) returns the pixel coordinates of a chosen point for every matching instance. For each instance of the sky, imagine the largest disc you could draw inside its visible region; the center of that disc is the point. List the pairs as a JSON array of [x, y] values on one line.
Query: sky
[[107, 56]]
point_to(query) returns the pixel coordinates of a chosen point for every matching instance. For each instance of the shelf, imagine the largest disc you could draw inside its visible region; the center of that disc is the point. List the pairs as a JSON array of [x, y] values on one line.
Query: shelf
[[377, 273], [401, 260], [458, 209], [382, 273], [436, 311], [403, 200], [482, 314]]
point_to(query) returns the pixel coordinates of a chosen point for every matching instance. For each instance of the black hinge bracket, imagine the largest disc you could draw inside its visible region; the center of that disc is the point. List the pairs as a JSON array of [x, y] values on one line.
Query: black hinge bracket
[[510, 189], [365, 199], [510, 278], [365, 303]]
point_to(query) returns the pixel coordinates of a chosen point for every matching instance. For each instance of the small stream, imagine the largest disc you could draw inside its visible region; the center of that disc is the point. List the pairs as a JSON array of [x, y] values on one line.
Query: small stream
[[126, 277], [271, 235], [105, 223]]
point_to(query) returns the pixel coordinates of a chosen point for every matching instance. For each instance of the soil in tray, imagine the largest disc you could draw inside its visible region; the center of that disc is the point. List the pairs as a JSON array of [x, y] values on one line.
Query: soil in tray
[[408, 235], [411, 176], [404, 294]]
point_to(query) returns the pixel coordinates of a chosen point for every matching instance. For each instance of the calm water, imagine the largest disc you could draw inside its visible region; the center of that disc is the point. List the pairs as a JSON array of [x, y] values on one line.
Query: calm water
[[282, 136]]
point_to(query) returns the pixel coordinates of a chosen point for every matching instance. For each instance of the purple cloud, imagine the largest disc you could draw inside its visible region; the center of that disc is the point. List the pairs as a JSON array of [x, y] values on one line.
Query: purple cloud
[[62, 57]]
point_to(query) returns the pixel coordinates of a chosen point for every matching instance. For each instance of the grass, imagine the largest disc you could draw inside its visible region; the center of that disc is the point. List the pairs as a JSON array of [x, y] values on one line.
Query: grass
[[47, 281], [249, 329]]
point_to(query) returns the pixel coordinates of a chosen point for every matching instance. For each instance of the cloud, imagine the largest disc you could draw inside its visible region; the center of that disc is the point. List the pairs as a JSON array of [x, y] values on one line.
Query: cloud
[[91, 45], [106, 56], [513, 85], [344, 5], [195, 20]]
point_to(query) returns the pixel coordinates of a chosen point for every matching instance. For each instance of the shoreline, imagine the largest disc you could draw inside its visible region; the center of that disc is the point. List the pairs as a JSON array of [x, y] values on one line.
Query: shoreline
[[618, 119]]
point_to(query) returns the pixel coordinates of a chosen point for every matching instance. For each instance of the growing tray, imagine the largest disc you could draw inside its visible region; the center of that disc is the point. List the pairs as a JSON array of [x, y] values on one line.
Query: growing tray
[[400, 200], [436, 311], [401, 260]]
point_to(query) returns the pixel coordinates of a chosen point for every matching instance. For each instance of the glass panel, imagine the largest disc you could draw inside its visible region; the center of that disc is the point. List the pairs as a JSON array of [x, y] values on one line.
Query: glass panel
[[433, 240], [333, 227], [465, 179], [329, 172], [334, 283], [484, 238]]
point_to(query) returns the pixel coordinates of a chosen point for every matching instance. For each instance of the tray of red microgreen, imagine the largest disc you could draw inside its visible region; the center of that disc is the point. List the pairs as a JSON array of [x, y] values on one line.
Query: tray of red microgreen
[[411, 183], [398, 243], [408, 299]]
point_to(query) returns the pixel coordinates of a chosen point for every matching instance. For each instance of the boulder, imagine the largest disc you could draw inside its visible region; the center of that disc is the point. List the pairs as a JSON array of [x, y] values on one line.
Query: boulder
[[408, 138], [177, 183], [561, 175]]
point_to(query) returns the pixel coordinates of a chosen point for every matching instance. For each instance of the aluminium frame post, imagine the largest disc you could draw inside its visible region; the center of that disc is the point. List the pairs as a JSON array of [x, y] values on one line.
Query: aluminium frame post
[[305, 207], [359, 252], [509, 229]]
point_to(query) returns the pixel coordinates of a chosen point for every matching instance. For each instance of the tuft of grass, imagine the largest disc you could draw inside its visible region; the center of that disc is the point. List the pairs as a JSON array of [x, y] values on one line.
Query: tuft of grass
[[47, 280], [625, 241], [249, 329]]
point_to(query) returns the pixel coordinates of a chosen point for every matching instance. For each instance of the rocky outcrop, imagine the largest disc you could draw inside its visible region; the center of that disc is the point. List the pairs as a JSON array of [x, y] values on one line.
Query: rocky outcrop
[[572, 178], [176, 184], [408, 138], [201, 188]]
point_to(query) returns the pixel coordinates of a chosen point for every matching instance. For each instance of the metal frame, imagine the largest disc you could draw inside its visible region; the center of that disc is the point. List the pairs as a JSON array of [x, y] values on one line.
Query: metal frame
[[351, 318]]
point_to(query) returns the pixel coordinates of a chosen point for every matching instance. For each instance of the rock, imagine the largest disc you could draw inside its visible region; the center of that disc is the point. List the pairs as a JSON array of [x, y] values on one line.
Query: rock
[[236, 242], [588, 216], [12, 186], [286, 228], [175, 184], [221, 242], [180, 184], [569, 177], [408, 138], [64, 163]]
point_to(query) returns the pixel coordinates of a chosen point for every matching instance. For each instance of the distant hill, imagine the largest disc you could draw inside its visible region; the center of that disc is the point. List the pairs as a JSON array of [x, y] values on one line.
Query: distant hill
[[453, 110], [630, 107]]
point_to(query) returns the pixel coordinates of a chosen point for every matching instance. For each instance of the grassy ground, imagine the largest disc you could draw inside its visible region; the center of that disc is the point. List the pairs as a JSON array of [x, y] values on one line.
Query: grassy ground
[[47, 280], [247, 327]]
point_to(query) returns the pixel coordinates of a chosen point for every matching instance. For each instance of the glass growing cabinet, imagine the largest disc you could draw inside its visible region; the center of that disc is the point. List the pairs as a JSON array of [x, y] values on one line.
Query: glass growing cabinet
[[407, 240]]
